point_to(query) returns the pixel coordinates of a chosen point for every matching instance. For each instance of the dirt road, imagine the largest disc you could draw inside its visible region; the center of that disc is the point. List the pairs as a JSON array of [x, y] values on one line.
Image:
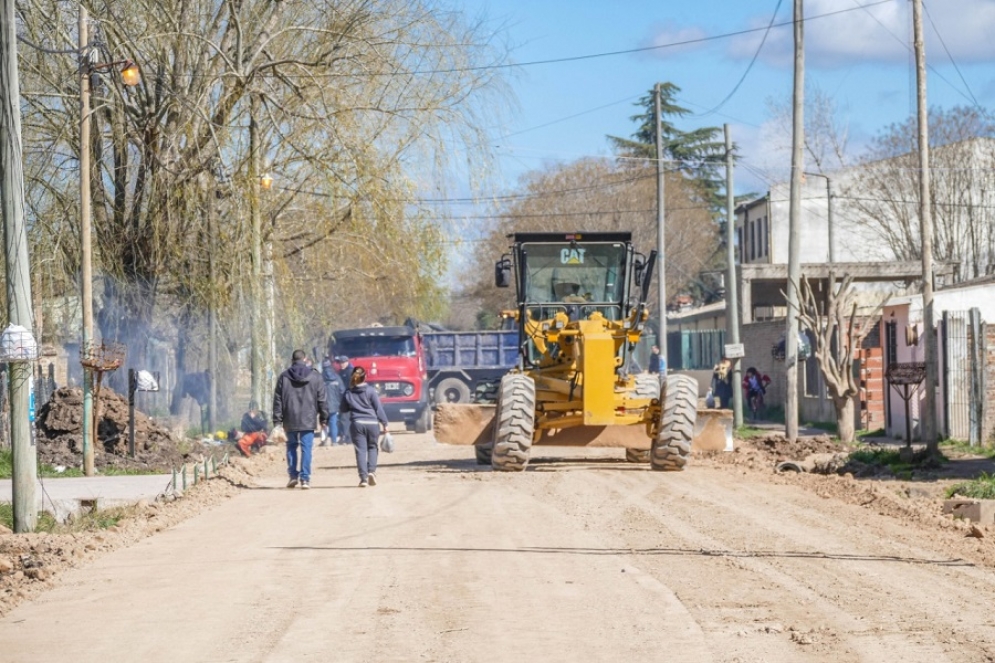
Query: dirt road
[[579, 559]]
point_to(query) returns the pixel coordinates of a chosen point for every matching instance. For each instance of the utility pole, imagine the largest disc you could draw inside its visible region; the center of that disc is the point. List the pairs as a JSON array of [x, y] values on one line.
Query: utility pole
[[256, 326], [732, 300], [212, 342], [928, 420], [86, 258], [661, 256], [794, 232], [18, 274]]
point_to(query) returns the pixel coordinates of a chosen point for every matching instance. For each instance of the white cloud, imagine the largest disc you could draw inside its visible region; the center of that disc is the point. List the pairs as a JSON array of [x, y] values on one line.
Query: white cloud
[[881, 33], [669, 33]]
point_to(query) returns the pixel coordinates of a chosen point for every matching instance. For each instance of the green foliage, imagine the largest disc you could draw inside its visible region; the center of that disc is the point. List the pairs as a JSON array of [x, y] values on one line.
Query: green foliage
[[6, 463], [868, 456], [749, 432], [828, 426], [46, 523], [981, 488], [961, 447]]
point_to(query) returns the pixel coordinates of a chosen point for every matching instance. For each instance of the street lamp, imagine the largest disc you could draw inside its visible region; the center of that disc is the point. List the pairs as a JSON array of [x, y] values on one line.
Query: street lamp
[[130, 76], [266, 181], [829, 219]]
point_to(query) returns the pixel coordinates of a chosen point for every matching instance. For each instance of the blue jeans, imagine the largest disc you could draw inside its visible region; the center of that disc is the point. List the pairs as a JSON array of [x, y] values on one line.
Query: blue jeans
[[333, 427], [305, 440], [364, 439]]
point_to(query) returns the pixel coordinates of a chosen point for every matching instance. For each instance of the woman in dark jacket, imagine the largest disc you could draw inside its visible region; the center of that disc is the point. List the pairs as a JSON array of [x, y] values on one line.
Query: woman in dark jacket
[[366, 421]]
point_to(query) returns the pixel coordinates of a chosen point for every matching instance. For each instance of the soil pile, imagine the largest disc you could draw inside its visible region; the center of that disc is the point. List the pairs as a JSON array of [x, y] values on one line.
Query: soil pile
[[60, 435], [766, 451]]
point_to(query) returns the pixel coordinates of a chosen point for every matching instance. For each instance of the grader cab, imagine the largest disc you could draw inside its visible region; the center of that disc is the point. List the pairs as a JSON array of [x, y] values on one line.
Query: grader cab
[[581, 309]]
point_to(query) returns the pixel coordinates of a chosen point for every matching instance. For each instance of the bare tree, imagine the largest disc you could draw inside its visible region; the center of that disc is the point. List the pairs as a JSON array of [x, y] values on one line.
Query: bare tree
[[837, 330], [357, 104], [826, 132], [884, 198], [600, 195]]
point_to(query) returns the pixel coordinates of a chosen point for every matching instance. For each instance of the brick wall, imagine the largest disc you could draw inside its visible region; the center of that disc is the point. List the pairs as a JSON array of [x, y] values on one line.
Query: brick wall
[[988, 425], [872, 388], [758, 338]]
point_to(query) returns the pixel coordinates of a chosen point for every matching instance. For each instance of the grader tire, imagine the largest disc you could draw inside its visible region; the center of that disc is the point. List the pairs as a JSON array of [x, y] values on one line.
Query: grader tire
[[514, 423], [648, 385], [672, 446], [483, 454], [637, 455]]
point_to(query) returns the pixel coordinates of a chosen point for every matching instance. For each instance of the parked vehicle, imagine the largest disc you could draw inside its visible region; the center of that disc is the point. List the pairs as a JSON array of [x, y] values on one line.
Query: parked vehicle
[[394, 359], [462, 365]]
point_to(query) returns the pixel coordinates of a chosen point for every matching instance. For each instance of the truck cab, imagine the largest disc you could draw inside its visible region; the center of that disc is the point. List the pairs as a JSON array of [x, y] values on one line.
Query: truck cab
[[394, 360]]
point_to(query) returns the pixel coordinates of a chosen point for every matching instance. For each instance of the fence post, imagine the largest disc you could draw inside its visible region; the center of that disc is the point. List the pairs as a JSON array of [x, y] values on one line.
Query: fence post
[[977, 412]]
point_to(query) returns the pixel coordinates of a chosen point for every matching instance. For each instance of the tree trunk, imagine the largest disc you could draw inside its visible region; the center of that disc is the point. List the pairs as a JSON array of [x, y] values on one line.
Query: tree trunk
[[844, 418]]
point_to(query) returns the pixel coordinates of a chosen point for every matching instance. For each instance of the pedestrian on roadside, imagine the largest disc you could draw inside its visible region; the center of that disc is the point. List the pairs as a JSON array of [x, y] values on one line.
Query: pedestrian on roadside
[[722, 384], [367, 421], [655, 359], [333, 391], [299, 401], [344, 367]]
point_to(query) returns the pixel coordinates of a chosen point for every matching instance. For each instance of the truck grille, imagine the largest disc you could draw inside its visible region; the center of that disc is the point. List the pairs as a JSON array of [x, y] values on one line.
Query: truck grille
[[392, 389]]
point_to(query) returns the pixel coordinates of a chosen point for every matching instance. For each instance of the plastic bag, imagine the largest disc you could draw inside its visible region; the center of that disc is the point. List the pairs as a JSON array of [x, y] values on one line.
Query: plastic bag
[[710, 400], [387, 443], [277, 435]]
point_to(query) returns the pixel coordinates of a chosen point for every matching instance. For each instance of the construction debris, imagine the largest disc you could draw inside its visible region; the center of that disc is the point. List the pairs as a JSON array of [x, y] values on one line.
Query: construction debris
[[59, 430]]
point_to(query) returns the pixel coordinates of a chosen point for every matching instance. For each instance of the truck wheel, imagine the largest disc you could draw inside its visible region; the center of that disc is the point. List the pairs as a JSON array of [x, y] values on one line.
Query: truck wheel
[[672, 446], [452, 390], [483, 452], [423, 423], [514, 423], [637, 455]]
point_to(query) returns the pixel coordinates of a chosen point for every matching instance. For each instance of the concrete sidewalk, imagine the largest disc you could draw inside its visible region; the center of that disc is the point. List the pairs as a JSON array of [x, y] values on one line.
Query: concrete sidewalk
[[62, 497]]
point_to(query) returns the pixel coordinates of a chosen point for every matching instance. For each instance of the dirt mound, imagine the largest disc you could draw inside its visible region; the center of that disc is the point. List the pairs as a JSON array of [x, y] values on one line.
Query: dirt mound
[[766, 451], [60, 435]]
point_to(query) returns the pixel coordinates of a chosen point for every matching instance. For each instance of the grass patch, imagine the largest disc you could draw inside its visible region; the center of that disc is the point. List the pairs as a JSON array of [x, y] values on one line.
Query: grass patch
[[749, 432], [981, 488], [877, 432], [84, 522], [961, 447], [891, 458], [49, 472], [46, 523]]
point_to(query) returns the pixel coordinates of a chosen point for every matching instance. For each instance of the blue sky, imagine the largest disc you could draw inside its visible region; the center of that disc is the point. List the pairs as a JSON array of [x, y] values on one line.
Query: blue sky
[[859, 56]]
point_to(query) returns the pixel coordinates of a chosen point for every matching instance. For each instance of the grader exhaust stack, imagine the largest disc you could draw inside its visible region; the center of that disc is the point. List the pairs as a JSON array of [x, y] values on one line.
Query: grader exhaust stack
[[581, 309]]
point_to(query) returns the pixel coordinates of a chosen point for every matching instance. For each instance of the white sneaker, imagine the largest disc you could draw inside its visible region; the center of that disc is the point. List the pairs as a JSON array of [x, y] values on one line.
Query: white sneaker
[[363, 483], [372, 479], [305, 485], [292, 483]]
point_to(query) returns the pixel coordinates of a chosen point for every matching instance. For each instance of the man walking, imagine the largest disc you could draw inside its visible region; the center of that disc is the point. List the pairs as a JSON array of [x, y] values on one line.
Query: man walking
[[344, 368], [299, 401], [333, 393]]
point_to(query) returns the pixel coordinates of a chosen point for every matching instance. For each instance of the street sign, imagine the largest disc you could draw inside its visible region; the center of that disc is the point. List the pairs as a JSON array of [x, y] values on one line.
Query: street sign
[[735, 351]]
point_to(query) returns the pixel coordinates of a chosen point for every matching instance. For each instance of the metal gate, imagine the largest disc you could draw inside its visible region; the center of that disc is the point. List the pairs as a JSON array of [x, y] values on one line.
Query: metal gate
[[695, 349], [963, 375]]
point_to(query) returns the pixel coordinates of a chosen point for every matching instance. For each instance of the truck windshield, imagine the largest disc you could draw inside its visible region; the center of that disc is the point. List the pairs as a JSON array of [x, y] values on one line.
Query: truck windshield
[[574, 273], [376, 346]]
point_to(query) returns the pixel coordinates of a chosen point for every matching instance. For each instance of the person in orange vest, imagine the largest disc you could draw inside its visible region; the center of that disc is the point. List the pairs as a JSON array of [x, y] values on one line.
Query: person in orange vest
[[248, 443]]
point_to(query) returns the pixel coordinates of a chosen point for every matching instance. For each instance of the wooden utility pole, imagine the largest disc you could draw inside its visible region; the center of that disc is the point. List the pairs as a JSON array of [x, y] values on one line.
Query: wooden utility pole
[[732, 300], [18, 274], [794, 232], [927, 425], [256, 325], [86, 251], [212, 342], [661, 256]]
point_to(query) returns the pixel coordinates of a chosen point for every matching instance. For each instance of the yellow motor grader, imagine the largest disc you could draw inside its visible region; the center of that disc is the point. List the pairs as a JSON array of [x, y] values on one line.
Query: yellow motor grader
[[581, 308]]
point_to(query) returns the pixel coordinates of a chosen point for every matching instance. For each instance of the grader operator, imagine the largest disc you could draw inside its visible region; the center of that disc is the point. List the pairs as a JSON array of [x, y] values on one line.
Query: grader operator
[[580, 310]]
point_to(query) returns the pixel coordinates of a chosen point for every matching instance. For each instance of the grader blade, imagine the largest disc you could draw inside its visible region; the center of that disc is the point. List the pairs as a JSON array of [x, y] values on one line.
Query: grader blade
[[713, 431], [463, 423]]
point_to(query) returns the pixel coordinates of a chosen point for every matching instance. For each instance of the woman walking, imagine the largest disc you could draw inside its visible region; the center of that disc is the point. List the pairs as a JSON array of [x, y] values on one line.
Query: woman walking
[[366, 421]]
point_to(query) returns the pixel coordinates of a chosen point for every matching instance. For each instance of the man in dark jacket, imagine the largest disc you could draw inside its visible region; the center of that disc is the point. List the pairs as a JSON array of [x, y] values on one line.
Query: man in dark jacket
[[299, 402], [333, 392], [344, 368]]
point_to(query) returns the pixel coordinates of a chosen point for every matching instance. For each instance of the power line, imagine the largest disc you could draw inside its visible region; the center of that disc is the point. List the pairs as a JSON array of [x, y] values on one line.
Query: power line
[[568, 117], [749, 66], [950, 55]]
